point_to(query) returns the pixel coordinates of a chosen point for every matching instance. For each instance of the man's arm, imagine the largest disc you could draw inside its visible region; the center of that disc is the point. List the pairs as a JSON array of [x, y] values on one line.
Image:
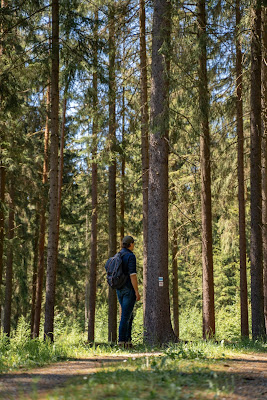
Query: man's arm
[[135, 285]]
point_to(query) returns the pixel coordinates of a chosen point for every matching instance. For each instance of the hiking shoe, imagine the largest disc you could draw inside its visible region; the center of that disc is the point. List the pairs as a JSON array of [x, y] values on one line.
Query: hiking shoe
[[122, 345], [128, 345]]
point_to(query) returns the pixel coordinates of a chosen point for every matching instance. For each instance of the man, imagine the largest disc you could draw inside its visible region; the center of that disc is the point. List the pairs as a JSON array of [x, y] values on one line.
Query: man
[[129, 293]]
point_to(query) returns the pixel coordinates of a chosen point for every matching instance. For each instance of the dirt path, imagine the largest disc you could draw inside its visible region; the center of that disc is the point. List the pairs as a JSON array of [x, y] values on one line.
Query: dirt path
[[249, 371]]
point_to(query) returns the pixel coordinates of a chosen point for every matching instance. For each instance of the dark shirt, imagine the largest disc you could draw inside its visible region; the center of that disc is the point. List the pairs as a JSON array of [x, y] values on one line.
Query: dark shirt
[[128, 265]]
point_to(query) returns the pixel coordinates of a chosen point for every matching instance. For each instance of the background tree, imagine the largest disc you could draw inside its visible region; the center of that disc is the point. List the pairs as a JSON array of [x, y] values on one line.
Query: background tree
[[42, 234], [144, 133], [240, 166], [205, 165], [112, 311], [93, 240], [257, 307], [264, 188], [9, 262], [52, 250]]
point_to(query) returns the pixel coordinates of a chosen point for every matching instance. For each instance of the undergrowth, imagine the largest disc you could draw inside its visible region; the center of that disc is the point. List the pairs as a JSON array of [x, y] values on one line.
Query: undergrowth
[[71, 342]]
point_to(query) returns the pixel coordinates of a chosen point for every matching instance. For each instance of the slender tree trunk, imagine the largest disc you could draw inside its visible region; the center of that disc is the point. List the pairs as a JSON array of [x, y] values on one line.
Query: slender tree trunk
[[112, 309], [257, 302], [240, 166], [9, 263], [35, 262], [86, 295], [175, 295], [144, 136], [93, 266], [157, 318], [2, 193], [207, 258], [264, 117], [123, 161], [2, 223], [41, 246], [61, 155], [52, 250]]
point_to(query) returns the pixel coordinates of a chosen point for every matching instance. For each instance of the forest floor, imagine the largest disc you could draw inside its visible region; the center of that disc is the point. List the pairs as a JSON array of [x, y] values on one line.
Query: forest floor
[[243, 377]]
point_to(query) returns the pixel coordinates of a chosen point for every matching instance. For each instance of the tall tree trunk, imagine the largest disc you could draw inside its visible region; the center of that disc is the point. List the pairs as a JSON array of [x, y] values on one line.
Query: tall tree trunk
[[2, 192], [240, 166], [123, 162], [112, 298], [87, 252], [93, 242], [61, 155], [52, 250], [264, 117], [35, 267], [257, 302], [157, 318], [207, 258], [144, 135], [9, 263], [2, 223], [175, 295], [41, 246]]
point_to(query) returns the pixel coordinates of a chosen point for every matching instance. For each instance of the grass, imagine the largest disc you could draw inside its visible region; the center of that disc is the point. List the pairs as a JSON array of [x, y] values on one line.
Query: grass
[[149, 380], [22, 351], [181, 371]]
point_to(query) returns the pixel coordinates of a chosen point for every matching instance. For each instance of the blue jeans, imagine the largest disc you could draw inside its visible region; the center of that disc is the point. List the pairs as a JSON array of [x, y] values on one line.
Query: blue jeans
[[127, 298]]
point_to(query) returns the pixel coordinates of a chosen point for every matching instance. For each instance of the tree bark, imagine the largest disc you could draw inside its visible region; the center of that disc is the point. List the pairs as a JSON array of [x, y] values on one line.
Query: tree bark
[[9, 264], [257, 302], [52, 250], [123, 162], [112, 298], [207, 258], [157, 318], [264, 191], [41, 246], [241, 191], [2, 194], [93, 265], [35, 267], [175, 294], [144, 136], [2, 226]]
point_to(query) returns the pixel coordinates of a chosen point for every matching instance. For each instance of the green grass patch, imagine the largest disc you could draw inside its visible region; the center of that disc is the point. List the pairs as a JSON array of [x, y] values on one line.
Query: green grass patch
[[70, 343], [150, 378], [181, 371]]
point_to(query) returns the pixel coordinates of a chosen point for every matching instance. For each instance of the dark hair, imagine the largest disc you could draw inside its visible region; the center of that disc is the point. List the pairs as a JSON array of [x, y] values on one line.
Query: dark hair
[[127, 241]]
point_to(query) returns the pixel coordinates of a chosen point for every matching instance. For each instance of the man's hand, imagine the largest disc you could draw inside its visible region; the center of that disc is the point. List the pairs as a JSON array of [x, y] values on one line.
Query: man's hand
[[135, 286]]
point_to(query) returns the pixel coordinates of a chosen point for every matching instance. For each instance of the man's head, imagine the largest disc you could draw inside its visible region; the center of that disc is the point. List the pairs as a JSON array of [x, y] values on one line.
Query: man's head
[[128, 242]]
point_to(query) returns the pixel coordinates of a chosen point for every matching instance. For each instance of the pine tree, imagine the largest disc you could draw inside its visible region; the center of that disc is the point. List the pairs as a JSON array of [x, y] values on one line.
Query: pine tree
[[52, 250], [206, 212], [240, 165], [42, 233], [264, 190], [257, 302], [112, 298], [9, 262], [157, 320], [144, 134], [93, 240]]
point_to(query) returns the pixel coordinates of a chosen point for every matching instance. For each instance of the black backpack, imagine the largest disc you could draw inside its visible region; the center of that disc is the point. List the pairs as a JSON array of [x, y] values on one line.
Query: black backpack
[[116, 278]]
